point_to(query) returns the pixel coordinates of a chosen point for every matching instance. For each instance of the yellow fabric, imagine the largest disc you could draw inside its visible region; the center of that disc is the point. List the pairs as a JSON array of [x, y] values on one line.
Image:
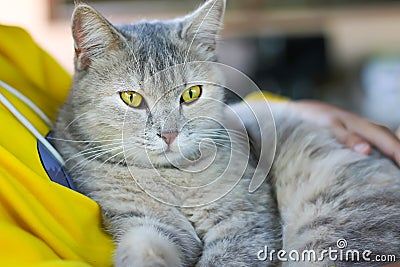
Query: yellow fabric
[[270, 97], [41, 222]]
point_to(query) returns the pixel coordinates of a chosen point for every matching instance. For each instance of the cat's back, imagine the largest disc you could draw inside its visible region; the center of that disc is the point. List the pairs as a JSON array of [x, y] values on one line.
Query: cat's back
[[327, 192]]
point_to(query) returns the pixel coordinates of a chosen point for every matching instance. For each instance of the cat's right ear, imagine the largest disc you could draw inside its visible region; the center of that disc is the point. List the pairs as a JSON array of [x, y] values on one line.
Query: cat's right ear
[[93, 35], [202, 27]]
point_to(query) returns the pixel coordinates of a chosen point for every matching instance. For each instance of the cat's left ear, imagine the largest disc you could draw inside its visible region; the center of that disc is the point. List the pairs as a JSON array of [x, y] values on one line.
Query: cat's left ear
[[94, 36], [202, 27]]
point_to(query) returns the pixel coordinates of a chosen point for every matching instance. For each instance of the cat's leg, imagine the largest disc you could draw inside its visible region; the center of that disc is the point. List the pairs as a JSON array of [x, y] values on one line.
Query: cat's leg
[[236, 229], [154, 242], [147, 246]]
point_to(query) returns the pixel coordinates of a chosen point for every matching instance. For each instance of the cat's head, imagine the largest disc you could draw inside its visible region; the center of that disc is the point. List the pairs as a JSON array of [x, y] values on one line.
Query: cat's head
[[139, 82]]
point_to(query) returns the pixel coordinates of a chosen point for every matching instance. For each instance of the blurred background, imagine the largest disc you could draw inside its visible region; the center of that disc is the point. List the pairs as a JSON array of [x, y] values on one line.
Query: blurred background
[[345, 52]]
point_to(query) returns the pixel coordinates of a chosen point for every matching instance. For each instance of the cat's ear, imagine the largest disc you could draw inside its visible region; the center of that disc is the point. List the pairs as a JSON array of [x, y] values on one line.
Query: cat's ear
[[93, 35], [203, 25]]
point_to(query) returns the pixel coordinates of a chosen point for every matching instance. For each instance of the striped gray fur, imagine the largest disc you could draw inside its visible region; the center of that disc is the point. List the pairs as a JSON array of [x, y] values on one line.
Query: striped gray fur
[[326, 192], [318, 191]]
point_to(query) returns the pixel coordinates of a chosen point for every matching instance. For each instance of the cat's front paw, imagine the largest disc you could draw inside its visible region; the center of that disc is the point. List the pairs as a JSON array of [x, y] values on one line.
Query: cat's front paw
[[146, 247]]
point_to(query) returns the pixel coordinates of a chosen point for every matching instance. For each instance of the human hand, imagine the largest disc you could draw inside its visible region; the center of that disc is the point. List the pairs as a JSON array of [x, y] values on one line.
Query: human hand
[[350, 129]]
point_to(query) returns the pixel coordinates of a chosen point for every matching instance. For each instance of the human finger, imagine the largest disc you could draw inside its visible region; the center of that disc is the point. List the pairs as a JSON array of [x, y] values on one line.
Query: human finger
[[379, 136], [350, 139]]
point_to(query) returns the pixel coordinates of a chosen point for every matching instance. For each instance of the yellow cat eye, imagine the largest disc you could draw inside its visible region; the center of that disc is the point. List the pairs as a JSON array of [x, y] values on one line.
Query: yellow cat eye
[[191, 94], [131, 98]]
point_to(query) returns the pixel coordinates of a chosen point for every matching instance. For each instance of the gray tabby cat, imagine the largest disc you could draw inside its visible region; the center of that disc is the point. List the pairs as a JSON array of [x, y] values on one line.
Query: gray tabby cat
[[126, 123]]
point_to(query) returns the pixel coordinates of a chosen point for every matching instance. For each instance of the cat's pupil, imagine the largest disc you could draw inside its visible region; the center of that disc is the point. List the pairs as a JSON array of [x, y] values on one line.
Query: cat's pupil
[[131, 97], [191, 93]]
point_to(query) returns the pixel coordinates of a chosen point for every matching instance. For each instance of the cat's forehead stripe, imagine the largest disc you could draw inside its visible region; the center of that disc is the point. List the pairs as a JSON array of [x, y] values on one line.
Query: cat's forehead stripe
[[152, 46]]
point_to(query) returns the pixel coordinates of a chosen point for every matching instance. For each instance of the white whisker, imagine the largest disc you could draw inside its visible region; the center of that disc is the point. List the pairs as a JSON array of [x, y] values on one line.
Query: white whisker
[[87, 160], [76, 119]]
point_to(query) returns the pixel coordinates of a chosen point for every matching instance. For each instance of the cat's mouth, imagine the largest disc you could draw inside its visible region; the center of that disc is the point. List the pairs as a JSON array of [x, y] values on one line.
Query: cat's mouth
[[166, 151]]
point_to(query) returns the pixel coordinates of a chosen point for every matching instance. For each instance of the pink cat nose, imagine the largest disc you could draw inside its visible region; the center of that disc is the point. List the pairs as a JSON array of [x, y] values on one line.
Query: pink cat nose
[[169, 137]]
